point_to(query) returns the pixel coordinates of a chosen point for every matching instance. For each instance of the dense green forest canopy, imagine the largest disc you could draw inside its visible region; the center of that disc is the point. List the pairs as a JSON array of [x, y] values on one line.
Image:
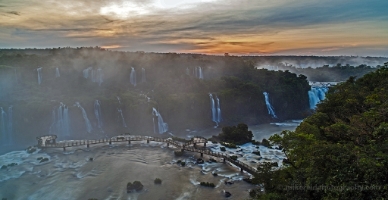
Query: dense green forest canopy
[[341, 151]]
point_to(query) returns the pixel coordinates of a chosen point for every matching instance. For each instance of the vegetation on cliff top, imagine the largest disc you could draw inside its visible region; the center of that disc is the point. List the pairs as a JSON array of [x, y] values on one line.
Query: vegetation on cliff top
[[340, 152]]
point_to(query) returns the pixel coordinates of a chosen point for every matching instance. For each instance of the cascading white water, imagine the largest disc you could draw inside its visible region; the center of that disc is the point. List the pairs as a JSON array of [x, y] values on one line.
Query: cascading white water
[[122, 117], [197, 72], [162, 126], [143, 75], [86, 72], [39, 70], [118, 98], [57, 74], [6, 126], [85, 116], [219, 118], [3, 128], [317, 94], [132, 77], [97, 113], [200, 74], [215, 109], [60, 121], [269, 106], [99, 76], [10, 123]]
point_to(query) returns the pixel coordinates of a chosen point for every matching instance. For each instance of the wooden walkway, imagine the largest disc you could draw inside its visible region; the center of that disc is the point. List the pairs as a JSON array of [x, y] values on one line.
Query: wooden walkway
[[188, 146]]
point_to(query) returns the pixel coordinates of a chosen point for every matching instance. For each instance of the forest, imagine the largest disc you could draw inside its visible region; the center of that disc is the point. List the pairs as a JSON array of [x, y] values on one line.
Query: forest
[[339, 152]]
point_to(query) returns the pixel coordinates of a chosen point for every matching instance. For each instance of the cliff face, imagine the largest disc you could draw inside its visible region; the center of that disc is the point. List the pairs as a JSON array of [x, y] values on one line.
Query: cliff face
[[177, 86]]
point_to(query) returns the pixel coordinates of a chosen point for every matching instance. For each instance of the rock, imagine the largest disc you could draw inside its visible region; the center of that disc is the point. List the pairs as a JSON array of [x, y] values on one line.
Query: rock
[[228, 182], [44, 160], [158, 181], [212, 160], [90, 159], [136, 185], [200, 161], [215, 174], [227, 194]]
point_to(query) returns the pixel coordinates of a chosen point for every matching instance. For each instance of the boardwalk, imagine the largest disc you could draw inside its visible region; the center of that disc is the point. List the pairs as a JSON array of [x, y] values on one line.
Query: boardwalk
[[49, 142]]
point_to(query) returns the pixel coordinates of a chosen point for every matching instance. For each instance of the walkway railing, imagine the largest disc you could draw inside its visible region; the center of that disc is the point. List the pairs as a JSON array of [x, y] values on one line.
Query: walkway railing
[[128, 138]]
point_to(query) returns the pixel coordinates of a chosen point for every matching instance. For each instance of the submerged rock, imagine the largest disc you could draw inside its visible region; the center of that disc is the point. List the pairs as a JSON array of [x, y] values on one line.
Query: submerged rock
[[135, 186]]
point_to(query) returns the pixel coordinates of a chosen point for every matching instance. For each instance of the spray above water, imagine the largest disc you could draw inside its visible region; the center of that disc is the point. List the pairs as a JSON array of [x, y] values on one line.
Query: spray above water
[[162, 126], [85, 116], [269, 106]]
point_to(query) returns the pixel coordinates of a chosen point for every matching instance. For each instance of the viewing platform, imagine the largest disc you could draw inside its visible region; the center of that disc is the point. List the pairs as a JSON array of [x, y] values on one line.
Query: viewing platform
[[49, 141]]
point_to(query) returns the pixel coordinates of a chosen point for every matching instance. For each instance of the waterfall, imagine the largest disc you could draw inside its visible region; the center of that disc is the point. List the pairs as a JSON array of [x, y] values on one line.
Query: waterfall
[[132, 77], [5, 127], [57, 74], [122, 117], [316, 94], [269, 106], [143, 75], [10, 123], [39, 70], [218, 110], [200, 74], [162, 127], [99, 76], [66, 121], [86, 72], [60, 121], [215, 109], [118, 98], [97, 113], [197, 72], [85, 116]]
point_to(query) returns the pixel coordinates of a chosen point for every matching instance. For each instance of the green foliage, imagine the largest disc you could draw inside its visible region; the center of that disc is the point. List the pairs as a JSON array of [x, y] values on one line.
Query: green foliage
[[340, 152], [236, 134]]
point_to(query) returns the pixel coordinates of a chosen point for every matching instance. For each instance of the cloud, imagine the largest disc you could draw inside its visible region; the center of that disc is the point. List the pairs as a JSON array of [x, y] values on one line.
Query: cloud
[[210, 27]]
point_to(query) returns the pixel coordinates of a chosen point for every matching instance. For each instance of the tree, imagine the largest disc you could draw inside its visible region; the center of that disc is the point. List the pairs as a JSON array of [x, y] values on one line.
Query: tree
[[341, 151]]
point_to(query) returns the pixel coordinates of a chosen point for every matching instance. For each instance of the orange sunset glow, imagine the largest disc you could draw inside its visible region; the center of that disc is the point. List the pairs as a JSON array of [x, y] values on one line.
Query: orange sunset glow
[[297, 27]]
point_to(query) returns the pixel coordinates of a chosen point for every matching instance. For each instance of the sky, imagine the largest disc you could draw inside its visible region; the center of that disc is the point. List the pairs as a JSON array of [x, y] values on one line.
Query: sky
[[237, 27]]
